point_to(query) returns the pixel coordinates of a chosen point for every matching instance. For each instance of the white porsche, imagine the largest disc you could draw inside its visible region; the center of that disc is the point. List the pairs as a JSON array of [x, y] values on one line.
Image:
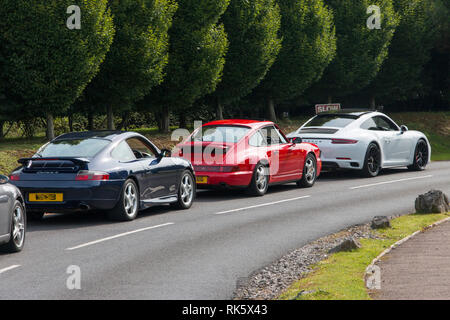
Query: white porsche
[[367, 141]]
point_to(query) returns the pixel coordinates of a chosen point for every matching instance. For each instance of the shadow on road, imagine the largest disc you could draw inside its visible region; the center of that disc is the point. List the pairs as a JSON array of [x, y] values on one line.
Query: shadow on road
[[91, 219]]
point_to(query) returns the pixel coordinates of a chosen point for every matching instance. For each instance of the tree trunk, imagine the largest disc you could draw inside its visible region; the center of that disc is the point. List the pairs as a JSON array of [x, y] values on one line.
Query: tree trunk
[[71, 122], [124, 122], [182, 120], [50, 133], [271, 110], [90, 117], [164, 121], [110, 118], [219, 110], [2, 124], [373, 105], [330, 99]]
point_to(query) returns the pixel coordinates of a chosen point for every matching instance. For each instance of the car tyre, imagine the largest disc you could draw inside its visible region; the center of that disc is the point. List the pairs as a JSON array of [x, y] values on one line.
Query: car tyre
[[372, 161], [309, 172], [260, 181], [420, 156], [186, 191], [127, 207], [18, 229]]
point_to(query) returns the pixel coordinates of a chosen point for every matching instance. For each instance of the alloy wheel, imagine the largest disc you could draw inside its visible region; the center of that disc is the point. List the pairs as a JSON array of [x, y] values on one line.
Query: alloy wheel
[[261, 178], [187, 189], [130, 199], [18, 232], [310, 170]]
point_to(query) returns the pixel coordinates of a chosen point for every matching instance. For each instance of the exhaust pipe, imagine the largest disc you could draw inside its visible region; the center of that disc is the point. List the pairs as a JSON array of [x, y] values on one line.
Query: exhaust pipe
[[84, 207]]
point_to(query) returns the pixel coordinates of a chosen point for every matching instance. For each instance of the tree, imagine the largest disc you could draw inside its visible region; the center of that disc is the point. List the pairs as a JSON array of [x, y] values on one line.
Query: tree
[[137, 58], [360, 50], [45, 65], [252, 28], [308, 47], [409, 52], [198, 45]]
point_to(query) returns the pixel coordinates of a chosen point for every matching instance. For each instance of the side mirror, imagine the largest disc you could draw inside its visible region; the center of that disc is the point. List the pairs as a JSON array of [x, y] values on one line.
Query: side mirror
[[3, 179], [404, 128], [296, 140], [165, 153]]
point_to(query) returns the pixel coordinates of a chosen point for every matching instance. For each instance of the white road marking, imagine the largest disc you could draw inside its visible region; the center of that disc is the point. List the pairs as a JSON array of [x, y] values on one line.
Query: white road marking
[[262, 205], [387, 182], [9, 268], [118, 236]]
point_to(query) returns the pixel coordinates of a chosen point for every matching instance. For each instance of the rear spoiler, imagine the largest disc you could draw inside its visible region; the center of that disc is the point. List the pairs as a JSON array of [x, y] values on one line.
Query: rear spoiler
[[79, 161]]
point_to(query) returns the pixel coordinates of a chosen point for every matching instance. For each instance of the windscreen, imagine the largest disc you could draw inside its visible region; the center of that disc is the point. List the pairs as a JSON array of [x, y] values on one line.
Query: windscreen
[[331, 120], [82, 148], [223, 134]]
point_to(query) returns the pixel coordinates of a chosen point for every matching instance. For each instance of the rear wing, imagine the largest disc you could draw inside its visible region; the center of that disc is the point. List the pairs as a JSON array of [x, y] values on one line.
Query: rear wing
[[53, 164], [79, 161]]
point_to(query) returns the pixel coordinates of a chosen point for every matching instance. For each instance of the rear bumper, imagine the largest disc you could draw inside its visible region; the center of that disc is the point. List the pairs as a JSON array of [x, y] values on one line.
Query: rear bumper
[[77, 195], [341, 164], [221, 179]]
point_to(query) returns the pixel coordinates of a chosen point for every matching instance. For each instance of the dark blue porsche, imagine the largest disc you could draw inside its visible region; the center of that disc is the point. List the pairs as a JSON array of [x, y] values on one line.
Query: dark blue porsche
[[121, 172]]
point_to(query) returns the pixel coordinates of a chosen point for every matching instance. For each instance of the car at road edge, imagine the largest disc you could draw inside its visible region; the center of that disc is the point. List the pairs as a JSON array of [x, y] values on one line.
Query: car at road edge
[[117, 172], [368, 141], [12, 217]]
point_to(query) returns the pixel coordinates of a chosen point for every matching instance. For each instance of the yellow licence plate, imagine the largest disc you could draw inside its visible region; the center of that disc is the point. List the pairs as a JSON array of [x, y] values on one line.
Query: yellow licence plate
[[45, 197], [201, 180]]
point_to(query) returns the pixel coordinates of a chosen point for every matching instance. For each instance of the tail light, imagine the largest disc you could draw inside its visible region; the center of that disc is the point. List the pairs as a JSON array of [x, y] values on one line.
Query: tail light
[[14, 177], [343, 141], [84, 175]]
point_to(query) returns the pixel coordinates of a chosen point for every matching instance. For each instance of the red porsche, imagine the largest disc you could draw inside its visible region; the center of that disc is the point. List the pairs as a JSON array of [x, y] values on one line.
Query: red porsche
[[249, 154]]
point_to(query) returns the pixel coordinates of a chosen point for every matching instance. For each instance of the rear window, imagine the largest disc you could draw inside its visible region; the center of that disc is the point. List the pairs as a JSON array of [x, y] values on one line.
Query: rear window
[[83, 148], [227, 134], [331, 120]]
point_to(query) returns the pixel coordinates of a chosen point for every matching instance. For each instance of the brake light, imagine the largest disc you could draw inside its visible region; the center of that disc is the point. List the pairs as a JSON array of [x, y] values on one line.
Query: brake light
[[14, 177], [91, 176], [343, 141]]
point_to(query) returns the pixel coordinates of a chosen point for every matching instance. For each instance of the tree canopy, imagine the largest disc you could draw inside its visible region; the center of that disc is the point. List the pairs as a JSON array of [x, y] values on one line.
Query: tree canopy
[[198, 44], [252, 28], [45, 66], [138, 55]]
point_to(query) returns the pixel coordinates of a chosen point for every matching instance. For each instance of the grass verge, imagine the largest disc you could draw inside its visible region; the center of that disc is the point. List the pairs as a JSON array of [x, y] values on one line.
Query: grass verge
[[341, 276]]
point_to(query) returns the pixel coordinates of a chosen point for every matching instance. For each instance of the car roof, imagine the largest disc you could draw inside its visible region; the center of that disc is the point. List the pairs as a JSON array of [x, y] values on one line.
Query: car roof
[[96, 134], [239, 122], [350, 112]]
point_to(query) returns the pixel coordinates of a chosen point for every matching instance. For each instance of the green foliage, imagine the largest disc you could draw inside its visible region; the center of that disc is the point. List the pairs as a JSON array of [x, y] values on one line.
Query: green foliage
[[360, 50], [409, 52], [138, 55], [308, 47], [252, 27], [197, 54], [44, 66]]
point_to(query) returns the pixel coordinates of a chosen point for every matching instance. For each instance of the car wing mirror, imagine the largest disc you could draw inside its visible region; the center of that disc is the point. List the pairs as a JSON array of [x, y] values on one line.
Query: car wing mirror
[[165, 153], [3, 179], [296, 140], [404, 128]]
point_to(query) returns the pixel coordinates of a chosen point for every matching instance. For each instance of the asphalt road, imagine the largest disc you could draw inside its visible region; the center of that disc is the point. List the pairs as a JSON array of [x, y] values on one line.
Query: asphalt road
[[201, 253]]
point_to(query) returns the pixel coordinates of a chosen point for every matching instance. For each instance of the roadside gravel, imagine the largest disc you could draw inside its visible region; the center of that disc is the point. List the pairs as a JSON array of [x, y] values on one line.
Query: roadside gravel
[[270, 281]]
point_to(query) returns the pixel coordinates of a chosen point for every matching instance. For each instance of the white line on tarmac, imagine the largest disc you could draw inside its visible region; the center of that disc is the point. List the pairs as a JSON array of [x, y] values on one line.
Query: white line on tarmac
[[9, 268], [118, 236], [387, 182], [262, 205]]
